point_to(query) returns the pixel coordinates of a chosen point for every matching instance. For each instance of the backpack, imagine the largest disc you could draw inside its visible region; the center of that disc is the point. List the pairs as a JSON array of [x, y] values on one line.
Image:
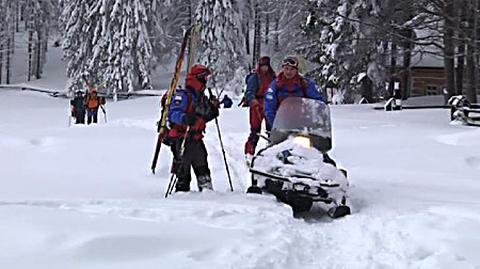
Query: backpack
[[247, 77], [168, 126], [244, 102]]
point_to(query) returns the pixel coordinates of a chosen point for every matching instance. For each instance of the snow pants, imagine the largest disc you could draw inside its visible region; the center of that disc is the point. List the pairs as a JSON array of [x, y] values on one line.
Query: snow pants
[[92, 115], [256, 117], [194, 156], [79, 116]]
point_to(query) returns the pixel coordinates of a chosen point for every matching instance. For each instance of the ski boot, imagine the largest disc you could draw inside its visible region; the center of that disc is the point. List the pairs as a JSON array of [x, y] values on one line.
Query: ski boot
[[204, 183], [248, 160]]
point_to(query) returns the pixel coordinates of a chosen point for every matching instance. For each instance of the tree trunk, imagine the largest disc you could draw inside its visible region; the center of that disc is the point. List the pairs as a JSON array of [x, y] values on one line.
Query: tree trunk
[[393, 68], [17, 16], [1, 59], [30, 53], [45, 43], [8, 66], [247, 37], [276, 46], [22, 13], [12, 8], [407, 74], [471, 92], [407, 62], [39, 55], [267, 27], [191, 20], [29, 22], [461, 21], [460, 66], [44, 49], [24, 19], [449, 49], [257, 36]]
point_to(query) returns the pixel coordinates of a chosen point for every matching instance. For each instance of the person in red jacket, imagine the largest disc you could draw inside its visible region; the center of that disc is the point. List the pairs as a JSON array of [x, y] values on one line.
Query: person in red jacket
[[188, 114], [257, 86]]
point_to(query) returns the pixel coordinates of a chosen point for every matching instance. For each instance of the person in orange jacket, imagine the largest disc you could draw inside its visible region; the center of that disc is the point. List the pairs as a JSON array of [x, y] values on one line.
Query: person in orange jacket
[[93, 102]]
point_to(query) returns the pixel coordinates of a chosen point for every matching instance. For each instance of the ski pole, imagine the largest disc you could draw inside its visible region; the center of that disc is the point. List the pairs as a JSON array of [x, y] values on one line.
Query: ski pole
[[171, 183], [104, 113], [173, 180], [223, 149]]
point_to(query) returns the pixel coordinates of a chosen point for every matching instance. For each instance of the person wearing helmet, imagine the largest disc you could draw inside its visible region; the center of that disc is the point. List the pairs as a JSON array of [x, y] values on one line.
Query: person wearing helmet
[[189, 112], [93, 102], [257, 85], [289, 83], [78, 107]]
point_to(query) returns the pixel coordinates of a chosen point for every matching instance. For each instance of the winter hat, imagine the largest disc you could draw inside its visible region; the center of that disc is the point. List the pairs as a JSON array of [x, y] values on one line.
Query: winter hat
[[197, 77], [200, 71], [265, 60], [290, 61]]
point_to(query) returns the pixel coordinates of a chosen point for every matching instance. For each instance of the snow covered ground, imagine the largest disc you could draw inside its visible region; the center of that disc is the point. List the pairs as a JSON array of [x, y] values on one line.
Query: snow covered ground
[[84, 197]]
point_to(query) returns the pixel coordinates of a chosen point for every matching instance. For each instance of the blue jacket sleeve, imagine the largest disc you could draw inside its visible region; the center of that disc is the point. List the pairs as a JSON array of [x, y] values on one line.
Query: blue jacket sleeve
[[270, 104], [252, 87], [313, 91], [176, 114]]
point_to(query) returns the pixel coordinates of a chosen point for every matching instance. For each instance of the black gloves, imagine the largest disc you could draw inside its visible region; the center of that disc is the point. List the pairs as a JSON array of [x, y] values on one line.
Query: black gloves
[[190, 118]]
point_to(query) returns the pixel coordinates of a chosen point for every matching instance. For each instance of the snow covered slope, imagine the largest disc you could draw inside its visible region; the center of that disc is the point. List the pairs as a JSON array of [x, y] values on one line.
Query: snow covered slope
[[83, 197]]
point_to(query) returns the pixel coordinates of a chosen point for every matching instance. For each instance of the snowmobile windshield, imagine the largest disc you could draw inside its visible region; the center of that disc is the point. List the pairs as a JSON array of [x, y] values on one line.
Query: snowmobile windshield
[[303, 117]]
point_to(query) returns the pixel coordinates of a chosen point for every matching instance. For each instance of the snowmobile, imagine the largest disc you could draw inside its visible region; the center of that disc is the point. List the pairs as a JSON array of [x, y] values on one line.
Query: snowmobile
[[295, 166], [461, 110]]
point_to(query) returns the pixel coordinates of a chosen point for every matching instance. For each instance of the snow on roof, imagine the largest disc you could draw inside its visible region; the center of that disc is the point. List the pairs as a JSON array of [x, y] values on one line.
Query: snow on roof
[[427, 60]]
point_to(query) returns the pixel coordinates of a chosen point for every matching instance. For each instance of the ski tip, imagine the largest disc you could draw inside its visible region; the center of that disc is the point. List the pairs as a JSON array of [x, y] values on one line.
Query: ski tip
[[153, 171]]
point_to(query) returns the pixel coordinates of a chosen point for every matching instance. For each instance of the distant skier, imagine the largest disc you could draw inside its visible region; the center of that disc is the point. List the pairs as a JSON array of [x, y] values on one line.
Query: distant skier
[[189, 112], [78, 107], [289, 83], [93, 102], [226, 101], [257, 85]]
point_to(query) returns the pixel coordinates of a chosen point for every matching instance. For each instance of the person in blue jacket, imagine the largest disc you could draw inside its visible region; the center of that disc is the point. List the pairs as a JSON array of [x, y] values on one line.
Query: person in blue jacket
[[189, 112], [226, 101], [257, 85], [288, 83]]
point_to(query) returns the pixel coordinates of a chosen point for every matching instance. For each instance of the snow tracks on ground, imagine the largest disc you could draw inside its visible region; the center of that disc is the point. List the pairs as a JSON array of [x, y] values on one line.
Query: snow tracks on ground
[[220, 230]]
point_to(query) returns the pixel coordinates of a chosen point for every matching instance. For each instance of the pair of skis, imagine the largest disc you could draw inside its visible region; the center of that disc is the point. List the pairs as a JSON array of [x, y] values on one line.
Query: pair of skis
[[162, 124]]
